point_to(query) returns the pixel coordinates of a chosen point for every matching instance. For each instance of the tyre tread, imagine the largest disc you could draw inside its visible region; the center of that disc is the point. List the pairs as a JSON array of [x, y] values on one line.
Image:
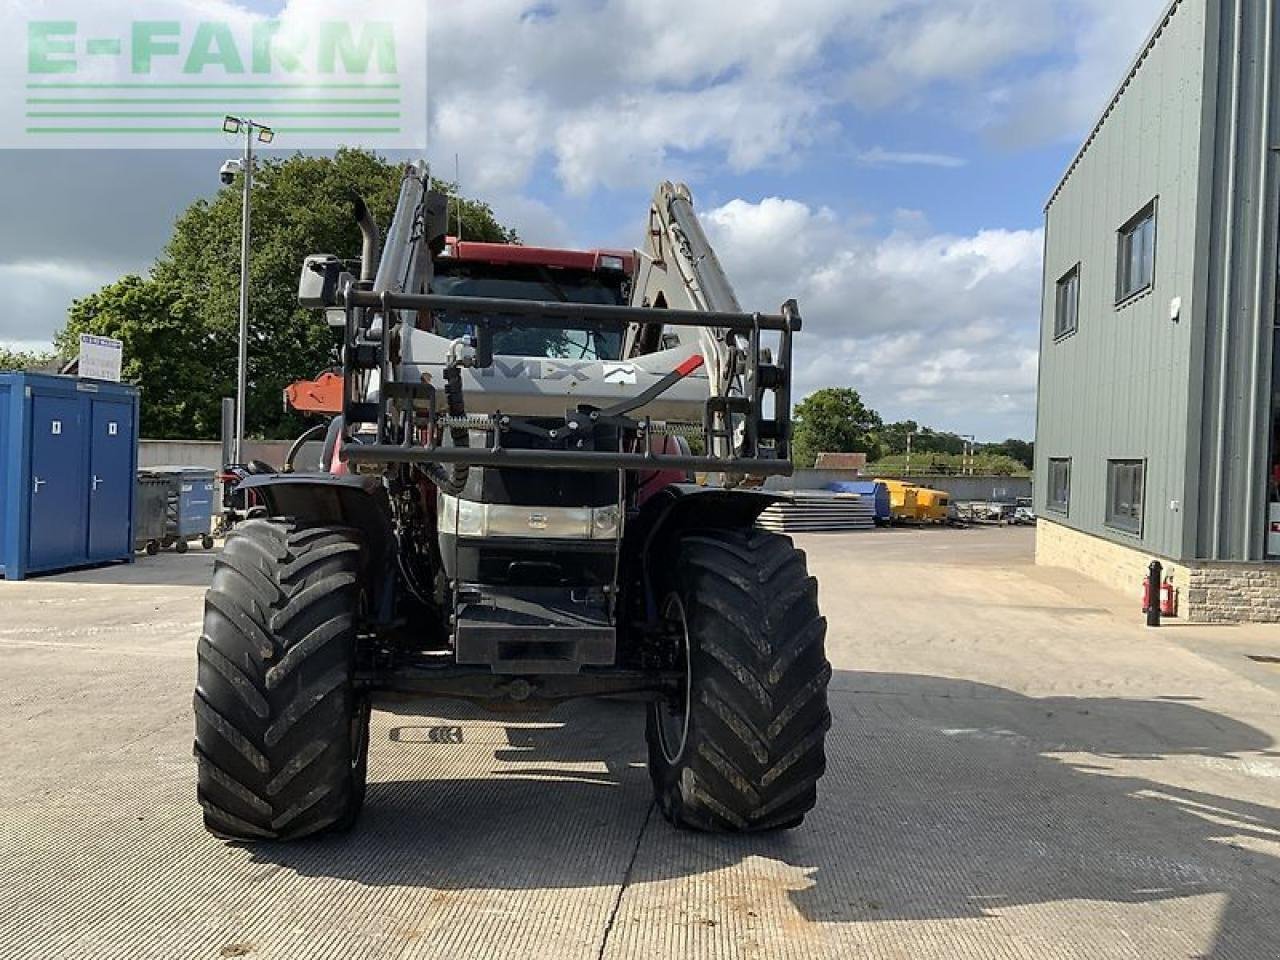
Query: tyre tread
[[274, 698], [759, 714]]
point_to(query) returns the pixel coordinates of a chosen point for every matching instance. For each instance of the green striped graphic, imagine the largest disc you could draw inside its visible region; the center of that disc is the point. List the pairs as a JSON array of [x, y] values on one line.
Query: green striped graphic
[[101, 47], [212, 86], [147, 115], [226, 104], [203, 130]]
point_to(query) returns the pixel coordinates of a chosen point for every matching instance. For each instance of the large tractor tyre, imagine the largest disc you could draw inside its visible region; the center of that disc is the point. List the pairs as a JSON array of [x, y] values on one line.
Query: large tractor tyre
[[741, 748], [281, 734]]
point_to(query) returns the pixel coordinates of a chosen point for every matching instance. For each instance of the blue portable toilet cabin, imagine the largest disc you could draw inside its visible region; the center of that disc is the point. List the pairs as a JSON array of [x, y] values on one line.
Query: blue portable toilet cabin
[[867, 488], [68, 456]]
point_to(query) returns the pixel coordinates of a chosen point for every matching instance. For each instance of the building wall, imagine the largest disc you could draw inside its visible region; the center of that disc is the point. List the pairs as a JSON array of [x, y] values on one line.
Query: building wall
[[1193, 126], [180, 453], [1232, 418], [1208, 591], [208, 453], [1119, 566], [1120, 387]]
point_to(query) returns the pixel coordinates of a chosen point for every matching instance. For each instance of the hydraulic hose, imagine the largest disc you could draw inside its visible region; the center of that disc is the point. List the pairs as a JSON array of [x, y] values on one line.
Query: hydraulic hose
[[452, 478]]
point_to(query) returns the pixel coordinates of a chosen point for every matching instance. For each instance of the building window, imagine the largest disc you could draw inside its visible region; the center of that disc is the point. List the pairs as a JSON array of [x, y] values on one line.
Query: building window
[[1066, 314], [1125, 483], [1136, 267], [1059, 485]]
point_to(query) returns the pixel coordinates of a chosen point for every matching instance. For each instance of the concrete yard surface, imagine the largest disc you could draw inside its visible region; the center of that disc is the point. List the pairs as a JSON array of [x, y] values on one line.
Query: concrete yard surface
[[1016, 768]]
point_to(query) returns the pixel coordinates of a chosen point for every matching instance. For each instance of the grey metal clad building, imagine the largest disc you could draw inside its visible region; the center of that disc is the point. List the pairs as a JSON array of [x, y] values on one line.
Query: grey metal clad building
[[1157, 421]]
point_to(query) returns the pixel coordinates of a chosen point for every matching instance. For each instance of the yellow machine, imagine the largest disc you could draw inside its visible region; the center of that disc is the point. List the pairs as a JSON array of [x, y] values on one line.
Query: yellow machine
[[902, 499], [932, 505], [909, 502]]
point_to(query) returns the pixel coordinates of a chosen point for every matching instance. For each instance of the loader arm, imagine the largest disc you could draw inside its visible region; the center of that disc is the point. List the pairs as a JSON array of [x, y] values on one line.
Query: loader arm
[[417, 357], [678, 270]]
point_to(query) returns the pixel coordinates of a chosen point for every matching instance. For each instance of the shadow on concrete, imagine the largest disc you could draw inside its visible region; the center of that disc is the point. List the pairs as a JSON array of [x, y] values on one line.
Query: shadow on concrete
[[166, 569], [944, 799]]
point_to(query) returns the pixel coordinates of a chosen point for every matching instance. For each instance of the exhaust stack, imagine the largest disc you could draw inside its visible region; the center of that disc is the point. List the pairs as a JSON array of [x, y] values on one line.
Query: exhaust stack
[[369, 231]]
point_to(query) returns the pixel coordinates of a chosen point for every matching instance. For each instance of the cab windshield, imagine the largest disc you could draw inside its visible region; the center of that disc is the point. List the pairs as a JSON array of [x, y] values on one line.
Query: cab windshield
[[524, 282]]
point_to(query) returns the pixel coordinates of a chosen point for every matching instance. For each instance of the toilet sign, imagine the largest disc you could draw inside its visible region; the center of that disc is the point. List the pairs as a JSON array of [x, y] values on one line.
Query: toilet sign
[[100, 357]]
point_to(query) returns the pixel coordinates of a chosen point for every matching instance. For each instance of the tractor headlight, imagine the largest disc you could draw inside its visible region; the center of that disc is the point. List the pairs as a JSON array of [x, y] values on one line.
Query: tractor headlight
[[467, 518]]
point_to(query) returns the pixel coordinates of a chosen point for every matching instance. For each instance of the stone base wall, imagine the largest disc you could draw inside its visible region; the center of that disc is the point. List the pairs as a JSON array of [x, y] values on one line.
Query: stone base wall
[[1235, 592], [1207, 592]]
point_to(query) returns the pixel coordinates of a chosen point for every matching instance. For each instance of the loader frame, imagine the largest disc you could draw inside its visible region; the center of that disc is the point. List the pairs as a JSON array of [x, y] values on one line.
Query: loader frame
[[763, 447]]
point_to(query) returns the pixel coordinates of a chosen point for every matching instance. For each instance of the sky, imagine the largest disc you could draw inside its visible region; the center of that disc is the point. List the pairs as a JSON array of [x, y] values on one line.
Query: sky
[[885, 162]]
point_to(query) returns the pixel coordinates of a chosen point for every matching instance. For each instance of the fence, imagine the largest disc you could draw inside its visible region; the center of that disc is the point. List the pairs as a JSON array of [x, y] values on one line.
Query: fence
[[1006, 489], [208, 453]]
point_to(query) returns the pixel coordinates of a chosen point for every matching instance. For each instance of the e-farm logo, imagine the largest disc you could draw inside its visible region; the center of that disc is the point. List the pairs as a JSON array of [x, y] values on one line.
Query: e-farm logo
[[167, 75]]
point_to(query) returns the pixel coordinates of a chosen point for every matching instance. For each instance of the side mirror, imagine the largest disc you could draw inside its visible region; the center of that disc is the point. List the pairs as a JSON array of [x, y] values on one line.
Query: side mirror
[[321, 281]]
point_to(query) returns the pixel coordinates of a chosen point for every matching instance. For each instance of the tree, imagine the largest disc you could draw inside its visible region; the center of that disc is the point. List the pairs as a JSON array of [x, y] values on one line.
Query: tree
[[180, 324], [982, 464], [24, 360], [834, 420], [893, 437], [1021, 450], [184, 364]]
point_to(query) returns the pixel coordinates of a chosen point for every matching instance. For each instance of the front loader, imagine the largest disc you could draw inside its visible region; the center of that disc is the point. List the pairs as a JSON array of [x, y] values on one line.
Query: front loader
[[507, 513]]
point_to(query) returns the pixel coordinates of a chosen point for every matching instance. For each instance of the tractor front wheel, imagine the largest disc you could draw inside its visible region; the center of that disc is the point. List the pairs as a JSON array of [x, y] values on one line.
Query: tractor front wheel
[[281, 733], [741, 747]]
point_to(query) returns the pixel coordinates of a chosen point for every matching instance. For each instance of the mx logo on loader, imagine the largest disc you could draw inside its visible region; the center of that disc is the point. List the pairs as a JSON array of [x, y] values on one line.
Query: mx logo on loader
[[532, 368]]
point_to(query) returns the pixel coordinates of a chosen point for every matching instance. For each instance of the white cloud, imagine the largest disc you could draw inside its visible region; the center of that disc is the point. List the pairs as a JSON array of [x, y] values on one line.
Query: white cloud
[[937, 327], [617, 92], [1027, 71], [880, 157], [499, 152], [39, 293], [955, 41], [621, 92], [536, 223], [1063, 101], [636, 139]]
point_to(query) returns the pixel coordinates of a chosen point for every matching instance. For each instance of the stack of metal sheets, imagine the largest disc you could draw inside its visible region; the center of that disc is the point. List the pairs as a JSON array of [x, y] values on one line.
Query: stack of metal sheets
[[817, 511]]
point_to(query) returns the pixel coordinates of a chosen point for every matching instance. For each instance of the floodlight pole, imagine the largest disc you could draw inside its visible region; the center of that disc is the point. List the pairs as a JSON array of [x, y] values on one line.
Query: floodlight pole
[[242, 369]]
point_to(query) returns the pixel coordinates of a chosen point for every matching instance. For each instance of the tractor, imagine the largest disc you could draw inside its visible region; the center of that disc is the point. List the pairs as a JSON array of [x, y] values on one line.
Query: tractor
[[541, 482]]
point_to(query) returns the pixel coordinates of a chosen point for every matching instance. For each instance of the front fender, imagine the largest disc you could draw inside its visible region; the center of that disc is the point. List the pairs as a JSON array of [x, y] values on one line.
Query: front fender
[[687, 505], [653, 534], [344, 501]]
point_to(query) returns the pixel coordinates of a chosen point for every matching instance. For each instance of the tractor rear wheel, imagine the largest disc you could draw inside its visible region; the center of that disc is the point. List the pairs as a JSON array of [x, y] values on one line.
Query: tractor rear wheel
[[281, 733], [741, 748]]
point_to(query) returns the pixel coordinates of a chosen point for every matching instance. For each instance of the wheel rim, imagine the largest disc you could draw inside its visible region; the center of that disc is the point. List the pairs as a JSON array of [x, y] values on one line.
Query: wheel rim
[[359, 742], [363, 712], [673, 713]]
